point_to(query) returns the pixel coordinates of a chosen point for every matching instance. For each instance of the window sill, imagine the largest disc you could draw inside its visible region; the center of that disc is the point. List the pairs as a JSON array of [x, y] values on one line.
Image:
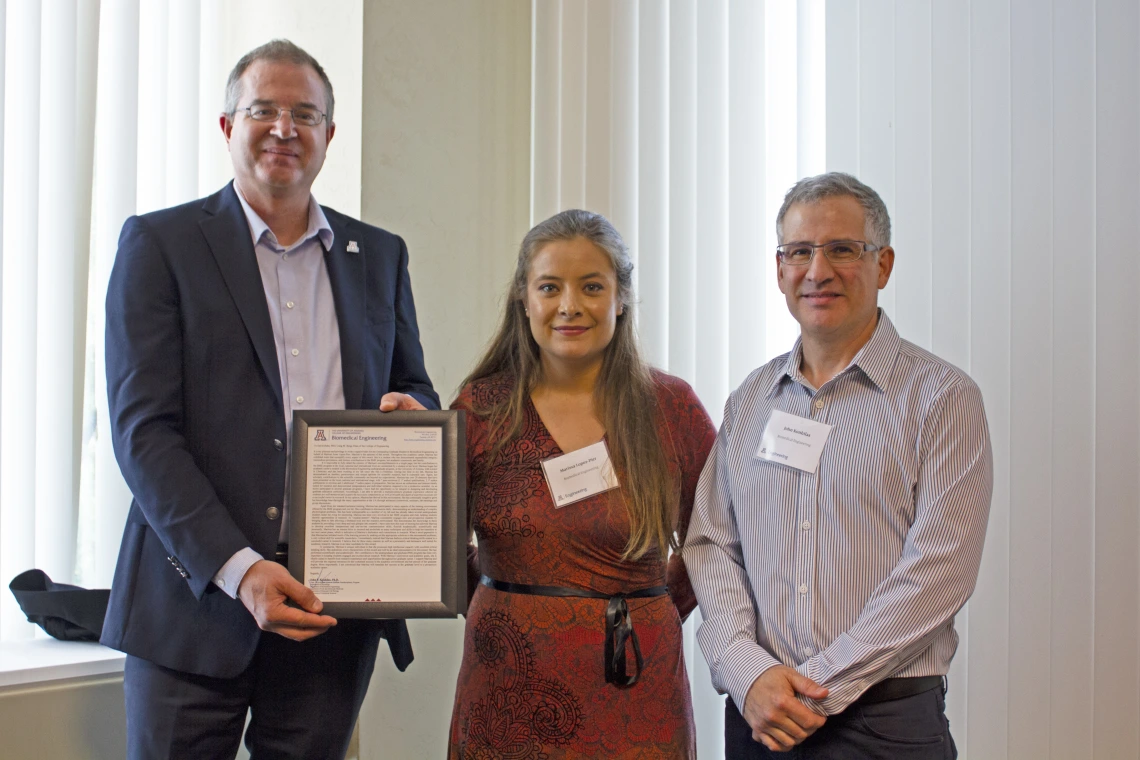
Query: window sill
[[40, 660]]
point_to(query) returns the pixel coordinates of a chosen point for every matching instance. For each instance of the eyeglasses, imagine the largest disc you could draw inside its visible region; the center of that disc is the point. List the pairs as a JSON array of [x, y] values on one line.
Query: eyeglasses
[[304, 116], [837, 252]]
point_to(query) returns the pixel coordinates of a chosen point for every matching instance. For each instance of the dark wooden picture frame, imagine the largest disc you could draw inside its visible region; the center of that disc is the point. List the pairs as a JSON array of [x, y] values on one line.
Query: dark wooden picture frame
[[453, 508]]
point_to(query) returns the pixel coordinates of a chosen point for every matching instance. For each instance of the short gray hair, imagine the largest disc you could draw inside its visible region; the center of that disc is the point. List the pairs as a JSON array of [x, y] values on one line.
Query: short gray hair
[[280, 51], [877, 222]]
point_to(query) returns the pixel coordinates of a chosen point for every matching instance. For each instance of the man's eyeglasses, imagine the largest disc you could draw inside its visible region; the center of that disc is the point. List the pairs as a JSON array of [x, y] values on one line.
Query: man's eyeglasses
[[837, 252], [302, 115]]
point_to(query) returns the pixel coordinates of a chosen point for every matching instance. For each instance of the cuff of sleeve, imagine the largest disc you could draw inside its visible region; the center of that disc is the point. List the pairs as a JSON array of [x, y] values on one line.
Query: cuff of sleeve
[[427, 401], [742, 664], [816, 706], [840, 695], [229, 577]]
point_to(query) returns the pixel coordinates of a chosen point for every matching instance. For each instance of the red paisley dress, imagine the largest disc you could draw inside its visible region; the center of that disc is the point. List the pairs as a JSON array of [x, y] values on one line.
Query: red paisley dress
[[532, 683]]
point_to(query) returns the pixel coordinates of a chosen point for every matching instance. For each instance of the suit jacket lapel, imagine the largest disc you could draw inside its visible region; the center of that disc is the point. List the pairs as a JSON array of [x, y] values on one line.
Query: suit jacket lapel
[[347, 278], [227, 233]]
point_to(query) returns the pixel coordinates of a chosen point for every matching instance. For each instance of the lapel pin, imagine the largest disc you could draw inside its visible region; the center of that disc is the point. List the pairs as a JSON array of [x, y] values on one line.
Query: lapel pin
[[353, 247]]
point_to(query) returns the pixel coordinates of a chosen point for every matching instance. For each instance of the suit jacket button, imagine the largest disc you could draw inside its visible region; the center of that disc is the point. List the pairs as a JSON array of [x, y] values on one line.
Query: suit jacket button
[[273, 513], [277, 444]]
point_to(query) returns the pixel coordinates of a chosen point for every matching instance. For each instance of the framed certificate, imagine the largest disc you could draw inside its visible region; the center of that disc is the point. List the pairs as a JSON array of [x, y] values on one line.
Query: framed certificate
[[378, 512]]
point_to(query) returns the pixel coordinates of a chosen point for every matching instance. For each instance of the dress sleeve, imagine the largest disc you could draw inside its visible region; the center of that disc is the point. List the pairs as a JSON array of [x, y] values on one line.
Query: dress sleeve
[[693, 434], [474, 441]]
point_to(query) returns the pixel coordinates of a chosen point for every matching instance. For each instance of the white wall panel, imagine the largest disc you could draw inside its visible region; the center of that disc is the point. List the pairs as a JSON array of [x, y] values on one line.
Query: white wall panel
[[811, 86], [572, 107], [183, 77], [843, 57], [214, 166], [682, 191], [949, 289], [988, 688], [62, 284], [87, 55], [546, 122], [599, 83], [1116, 672], [1031, 379], [153, 92], [950, 180], [3, 79], [18, 339], [750, 250], [1072, 439], [623, 158], [781, 157], [911, 211], [114, 199], [876, 113], [653, 182], [712, 203]]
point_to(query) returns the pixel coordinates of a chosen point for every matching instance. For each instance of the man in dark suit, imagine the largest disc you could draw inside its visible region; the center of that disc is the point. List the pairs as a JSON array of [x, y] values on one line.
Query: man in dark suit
[[223, 316]]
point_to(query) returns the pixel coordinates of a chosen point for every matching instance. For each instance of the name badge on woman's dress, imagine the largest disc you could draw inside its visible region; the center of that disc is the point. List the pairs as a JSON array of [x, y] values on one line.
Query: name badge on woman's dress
[[794, 441], [580, 474]]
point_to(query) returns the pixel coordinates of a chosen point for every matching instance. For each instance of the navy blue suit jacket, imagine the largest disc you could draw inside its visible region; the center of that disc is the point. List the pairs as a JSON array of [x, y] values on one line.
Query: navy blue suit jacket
[[197, 418]]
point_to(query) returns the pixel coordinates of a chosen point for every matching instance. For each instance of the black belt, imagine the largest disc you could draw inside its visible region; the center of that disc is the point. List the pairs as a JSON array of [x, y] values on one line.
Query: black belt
[[898, 688], [619, 625], [282, 555]]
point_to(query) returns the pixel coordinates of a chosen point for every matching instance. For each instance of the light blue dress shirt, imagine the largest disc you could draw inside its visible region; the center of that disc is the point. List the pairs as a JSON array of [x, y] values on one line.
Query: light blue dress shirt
[[306, 333], [853, 573]]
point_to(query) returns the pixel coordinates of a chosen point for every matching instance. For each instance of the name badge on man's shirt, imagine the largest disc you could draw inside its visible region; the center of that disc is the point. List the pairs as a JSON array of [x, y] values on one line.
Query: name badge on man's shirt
[[794, 441], [580, 474]]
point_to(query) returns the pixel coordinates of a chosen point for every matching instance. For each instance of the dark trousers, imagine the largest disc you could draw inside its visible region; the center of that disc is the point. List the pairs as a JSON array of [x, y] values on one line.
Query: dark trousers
[[911, 728], [303, 699]]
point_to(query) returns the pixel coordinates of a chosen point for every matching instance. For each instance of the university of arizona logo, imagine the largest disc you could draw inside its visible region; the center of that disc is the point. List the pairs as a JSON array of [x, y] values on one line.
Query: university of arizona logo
[[320, 436]]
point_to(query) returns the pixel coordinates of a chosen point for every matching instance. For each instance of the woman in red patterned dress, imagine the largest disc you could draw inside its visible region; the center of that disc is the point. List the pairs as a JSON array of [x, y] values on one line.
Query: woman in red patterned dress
[[573, 639]]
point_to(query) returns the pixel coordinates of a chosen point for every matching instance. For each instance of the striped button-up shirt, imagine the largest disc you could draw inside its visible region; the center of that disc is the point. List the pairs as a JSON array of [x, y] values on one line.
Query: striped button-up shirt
[[851, 574]]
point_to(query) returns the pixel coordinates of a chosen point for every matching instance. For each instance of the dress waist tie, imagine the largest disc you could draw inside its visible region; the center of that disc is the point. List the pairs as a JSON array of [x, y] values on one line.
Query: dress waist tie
[[619, 625]]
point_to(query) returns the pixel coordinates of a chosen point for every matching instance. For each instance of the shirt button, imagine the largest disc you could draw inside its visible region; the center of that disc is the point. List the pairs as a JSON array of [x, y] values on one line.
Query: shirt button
[[289, 304], [295, 352], [277, 444], [803, 588], [300, 399], [806, 525], [818, 403], [221, 582], [807, 651], [273, 513]]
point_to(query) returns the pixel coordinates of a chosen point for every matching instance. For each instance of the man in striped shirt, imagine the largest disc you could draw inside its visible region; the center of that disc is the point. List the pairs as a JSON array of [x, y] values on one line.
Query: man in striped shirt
[[829, 586]]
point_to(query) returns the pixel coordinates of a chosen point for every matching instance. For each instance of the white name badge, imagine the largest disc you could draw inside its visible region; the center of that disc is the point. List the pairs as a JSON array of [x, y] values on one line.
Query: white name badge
[[794, 441], [580, 474]]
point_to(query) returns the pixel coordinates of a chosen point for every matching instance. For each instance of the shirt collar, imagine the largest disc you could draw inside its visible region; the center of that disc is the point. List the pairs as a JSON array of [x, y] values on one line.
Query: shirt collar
[[876, 359], [259, 230]]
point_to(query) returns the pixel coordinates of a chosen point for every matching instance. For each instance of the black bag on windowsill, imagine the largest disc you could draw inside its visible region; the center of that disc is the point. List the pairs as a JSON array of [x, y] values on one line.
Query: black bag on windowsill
[[68, 613]]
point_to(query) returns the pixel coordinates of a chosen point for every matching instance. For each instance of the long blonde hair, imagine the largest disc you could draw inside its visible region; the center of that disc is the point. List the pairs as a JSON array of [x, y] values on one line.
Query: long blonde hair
[[624, 394]]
